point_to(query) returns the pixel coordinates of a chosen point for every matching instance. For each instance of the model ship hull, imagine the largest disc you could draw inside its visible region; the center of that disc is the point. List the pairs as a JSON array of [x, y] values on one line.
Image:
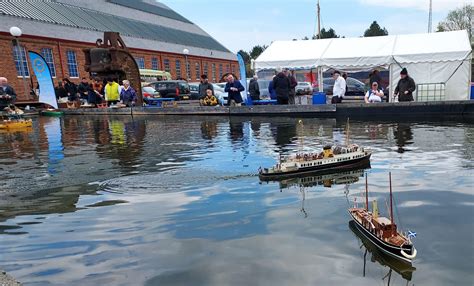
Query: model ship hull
[[394, 251], [402, 267], [318, 169]]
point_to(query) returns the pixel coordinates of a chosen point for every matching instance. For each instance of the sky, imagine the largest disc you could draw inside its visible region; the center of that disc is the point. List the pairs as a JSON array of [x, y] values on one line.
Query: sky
[[245, 23]]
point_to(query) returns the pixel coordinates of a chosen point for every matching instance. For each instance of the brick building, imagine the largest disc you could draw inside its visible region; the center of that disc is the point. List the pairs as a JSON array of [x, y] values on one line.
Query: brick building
[[61, 29]]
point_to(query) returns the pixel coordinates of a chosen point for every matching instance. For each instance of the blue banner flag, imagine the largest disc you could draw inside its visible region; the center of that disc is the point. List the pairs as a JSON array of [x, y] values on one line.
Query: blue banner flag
[[243, 76], [43, 75]]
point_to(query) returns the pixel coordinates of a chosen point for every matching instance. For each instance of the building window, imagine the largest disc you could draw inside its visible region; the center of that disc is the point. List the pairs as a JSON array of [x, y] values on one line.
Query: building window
[[154, 64], [213, 72], [140, 62], [21, 64], [188, 70], [198, 71], [47, 54], [227, 69], [72, 64], [178, 68], [206, 68], [233, 69], [166, 63], [221, 71]]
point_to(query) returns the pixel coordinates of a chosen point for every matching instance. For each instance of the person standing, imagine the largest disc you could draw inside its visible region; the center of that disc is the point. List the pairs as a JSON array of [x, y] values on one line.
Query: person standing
[[128, 95], [98, 89], [60, 91], [112, 92], [375, 77], [7, 93], [254, 89], [271, 89], [281, 84], [293, 84], [234, 88], [339, 88], [405, 87], [204, 86]]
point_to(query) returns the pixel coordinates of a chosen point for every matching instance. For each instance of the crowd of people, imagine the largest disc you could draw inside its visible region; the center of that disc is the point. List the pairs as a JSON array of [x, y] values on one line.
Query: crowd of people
[[96, 92]]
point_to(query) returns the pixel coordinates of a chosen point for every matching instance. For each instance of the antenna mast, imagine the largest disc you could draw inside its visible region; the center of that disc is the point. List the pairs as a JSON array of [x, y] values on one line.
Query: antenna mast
[[391, 203], [430, 18], [318, 36]]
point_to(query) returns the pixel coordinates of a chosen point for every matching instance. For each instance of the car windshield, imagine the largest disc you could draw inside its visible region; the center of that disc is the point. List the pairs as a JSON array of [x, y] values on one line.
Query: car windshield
[[149, 89], [305, 84], [183, 85], [193, 87]]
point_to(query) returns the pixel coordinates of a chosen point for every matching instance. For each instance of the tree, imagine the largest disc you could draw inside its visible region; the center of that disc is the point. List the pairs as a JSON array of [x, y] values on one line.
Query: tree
[[459, 19], [257, 51], [327, 34], [375, 30]]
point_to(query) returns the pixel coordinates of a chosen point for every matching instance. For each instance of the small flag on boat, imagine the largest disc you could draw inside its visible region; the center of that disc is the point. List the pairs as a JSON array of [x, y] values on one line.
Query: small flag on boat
[[411, 234]]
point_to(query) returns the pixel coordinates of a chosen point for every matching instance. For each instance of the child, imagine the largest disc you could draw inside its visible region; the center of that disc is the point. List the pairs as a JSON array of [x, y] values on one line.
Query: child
[[209, 99]]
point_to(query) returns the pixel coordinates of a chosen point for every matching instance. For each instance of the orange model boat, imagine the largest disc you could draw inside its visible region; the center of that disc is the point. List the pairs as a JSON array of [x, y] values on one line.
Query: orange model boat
[[16, 124]]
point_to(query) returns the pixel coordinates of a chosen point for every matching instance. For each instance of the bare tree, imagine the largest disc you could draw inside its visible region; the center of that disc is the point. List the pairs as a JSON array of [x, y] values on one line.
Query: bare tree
[[459, 19]]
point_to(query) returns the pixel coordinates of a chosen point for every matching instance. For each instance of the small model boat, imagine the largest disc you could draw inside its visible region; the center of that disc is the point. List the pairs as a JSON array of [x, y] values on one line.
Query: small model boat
[[403, 268], [52, 112], [332, 158], [16, 124], [381, 231]]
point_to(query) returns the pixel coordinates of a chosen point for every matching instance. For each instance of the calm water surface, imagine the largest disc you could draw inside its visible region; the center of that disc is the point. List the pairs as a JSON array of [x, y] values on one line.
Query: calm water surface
[[176, 201]]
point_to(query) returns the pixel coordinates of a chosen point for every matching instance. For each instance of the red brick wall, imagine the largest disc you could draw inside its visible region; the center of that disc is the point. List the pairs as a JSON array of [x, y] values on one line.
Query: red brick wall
[[59, 48]]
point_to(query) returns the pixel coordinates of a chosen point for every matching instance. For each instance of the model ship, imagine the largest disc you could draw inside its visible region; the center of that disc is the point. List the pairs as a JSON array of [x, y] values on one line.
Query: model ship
[[332, 158], [382, 231], [14, 119]]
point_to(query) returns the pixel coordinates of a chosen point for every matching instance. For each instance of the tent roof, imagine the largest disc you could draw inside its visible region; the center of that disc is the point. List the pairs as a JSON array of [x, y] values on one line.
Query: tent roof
[[366, 52]]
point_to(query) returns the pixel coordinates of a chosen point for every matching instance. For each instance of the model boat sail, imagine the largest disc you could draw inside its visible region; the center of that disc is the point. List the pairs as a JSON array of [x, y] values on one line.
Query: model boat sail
[[332, 158], [382, 231]]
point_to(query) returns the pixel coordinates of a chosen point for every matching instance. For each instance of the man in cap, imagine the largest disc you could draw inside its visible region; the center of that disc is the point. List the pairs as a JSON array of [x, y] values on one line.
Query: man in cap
[[339, 88], [405, 87]]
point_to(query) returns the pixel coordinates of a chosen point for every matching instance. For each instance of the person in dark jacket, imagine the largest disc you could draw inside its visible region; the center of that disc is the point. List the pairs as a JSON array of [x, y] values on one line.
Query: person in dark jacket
[[281, 84], [7, 93], [234, 88], [60, 91], [71, 90], [271, 89], [293, 84], [254, 89], [204, 86], [83, 89], [405, 87], [128, 96]]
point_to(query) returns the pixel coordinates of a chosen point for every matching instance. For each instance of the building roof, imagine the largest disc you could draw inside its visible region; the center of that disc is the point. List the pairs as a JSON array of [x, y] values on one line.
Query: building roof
[[149, 8], [57, 13]]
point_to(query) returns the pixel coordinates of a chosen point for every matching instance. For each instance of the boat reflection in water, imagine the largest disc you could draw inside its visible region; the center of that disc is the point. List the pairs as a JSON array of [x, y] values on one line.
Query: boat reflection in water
[[404, 268], [347, 177]]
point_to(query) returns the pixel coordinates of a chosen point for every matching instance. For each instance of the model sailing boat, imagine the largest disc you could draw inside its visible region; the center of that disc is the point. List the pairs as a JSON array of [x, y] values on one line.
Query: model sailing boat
[[383, 231], [332, 158]]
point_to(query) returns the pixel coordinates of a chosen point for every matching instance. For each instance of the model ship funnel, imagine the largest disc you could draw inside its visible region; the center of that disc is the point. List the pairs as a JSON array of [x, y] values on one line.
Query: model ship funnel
[[375, 209]]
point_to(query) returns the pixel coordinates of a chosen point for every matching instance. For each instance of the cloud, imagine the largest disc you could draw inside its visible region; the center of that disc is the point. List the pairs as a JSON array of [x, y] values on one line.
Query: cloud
[[438, 5]]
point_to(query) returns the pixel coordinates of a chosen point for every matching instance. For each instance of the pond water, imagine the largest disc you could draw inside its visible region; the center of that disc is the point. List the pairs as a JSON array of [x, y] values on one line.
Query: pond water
[[177, 201]]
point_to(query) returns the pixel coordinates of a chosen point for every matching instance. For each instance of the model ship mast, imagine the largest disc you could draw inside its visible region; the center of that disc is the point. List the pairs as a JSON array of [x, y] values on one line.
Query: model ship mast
[[347, 133]]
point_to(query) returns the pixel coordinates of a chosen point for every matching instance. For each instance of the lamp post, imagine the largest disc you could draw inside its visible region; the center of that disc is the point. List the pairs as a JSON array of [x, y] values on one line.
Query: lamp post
[[186, 53], [16, 32]]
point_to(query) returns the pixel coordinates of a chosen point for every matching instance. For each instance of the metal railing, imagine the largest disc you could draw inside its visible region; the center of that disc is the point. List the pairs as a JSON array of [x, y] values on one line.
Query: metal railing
[[430, 91]]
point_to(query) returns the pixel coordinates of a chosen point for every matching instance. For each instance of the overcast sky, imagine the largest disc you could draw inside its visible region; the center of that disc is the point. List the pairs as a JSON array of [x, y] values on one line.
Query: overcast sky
[[245, 23]]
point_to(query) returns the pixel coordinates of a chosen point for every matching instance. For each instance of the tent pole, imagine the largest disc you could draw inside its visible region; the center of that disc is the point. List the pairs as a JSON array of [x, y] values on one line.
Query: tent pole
[[320, 79]]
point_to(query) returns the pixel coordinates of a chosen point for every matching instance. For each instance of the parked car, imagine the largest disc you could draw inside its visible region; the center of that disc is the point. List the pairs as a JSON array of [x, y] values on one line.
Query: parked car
[[355, 88], [304, 88], [194, 88], [177, 89], [220, 94], [150, 92]]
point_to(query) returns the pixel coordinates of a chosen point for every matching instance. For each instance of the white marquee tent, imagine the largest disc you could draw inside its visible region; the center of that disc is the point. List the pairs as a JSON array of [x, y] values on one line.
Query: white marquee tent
[[436, 58]]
